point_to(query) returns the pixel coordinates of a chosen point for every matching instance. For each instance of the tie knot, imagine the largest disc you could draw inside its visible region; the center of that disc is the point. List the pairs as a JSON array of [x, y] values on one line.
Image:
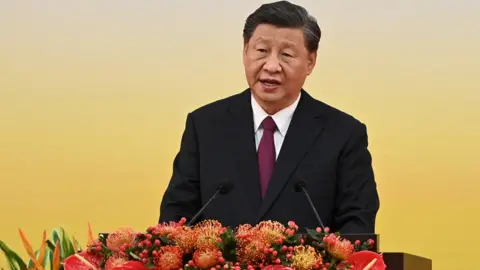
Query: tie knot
[[269, 124]]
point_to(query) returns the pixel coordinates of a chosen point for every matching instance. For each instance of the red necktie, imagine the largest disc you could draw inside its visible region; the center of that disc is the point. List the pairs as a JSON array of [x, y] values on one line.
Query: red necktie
[[266, 154]]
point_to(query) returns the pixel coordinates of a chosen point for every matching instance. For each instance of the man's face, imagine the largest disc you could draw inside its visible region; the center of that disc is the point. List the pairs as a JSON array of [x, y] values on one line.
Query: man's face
[[276, 65]]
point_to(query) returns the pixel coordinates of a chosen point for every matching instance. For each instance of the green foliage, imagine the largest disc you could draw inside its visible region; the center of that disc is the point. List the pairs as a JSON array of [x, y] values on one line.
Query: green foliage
[[228, 244], [14, 260], [66, 248]]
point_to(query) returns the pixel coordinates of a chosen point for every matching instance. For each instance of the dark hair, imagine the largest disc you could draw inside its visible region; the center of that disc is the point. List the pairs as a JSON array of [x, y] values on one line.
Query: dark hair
[[284, 14]]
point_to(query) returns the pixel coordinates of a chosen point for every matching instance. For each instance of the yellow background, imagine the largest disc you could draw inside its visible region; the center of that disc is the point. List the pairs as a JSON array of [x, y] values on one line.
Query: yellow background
[[94, 94]]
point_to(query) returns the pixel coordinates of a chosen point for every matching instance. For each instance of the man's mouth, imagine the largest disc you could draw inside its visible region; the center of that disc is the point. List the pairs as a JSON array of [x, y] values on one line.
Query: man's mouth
[[270, 82]]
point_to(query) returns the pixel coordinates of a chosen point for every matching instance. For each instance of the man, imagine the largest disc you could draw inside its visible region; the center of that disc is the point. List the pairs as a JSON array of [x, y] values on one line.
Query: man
[[272, 135]]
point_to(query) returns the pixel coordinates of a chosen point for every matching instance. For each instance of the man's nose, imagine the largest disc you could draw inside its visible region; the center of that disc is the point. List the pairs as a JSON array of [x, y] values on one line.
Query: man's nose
[[272, 65]]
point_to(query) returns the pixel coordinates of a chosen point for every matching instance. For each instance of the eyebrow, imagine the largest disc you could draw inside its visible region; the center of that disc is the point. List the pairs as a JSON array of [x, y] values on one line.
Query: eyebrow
[[288, 43]]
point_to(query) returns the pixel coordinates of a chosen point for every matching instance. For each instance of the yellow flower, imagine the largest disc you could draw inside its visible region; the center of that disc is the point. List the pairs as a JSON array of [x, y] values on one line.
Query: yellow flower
[[305, 258]]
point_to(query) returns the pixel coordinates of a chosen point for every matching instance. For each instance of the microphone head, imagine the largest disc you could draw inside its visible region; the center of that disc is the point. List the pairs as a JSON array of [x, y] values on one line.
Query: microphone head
[[225, 186], [300, 185]]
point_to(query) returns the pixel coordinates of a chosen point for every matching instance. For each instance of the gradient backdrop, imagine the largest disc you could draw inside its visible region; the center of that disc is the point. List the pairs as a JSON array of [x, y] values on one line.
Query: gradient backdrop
[[94, 95]]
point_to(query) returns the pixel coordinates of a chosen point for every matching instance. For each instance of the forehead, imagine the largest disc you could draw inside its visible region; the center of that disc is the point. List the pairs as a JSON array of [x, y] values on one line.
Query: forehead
[[278, 35]]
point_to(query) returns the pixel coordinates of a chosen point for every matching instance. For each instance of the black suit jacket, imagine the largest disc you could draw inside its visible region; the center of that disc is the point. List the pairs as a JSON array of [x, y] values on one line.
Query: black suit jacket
[[325, 147]]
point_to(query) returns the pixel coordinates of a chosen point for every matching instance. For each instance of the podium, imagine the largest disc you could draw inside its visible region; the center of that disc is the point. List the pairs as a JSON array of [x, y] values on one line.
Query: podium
[[394, 260]]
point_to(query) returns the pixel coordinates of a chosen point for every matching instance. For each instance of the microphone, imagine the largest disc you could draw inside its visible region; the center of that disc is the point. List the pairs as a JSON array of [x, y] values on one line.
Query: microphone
[[300, 186], [223, 188]]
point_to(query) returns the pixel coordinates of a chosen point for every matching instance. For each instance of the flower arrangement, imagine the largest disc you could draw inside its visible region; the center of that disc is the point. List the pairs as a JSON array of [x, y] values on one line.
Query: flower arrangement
[[269, 245]]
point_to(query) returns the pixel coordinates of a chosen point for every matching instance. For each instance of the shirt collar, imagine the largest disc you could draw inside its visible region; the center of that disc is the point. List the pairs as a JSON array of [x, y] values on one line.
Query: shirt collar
[[282, 118]]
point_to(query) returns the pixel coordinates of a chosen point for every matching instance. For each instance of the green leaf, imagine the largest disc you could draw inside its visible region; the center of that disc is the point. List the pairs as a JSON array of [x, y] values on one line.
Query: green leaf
[[50, 249], [55, 237], [47, 264], [67, 245], [228, 245], [293, 240], [164, 240], [314, 235], [135, 256], [14, 260], [50, 245]]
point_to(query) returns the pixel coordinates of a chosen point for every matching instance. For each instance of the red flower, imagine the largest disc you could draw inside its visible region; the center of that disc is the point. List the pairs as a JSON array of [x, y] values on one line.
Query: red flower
[[82, 261], [131, 265], [276, 267], [360, 260]]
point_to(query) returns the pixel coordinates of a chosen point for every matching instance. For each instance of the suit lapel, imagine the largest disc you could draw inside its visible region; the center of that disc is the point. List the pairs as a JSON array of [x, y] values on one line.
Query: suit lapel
[[304, 128], [241, 138]]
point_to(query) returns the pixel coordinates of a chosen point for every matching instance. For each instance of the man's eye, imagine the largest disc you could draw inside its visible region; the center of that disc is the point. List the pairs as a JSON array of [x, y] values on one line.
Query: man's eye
[[262, 50], [287, 55]]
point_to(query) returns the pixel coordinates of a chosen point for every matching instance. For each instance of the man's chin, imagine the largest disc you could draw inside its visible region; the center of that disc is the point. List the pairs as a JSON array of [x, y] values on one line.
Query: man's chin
[[269, 97], [267, 94]]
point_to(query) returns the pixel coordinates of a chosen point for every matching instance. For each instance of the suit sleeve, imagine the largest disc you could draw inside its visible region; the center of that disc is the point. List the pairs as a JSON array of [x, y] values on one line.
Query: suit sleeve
[[182, 196], [357, 200]]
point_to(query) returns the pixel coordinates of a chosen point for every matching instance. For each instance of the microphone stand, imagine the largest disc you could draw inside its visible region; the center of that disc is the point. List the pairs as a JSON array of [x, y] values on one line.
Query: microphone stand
[[204, 206]]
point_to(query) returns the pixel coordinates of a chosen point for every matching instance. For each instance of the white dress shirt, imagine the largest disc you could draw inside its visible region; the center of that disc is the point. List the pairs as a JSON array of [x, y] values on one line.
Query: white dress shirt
[[282, 120]]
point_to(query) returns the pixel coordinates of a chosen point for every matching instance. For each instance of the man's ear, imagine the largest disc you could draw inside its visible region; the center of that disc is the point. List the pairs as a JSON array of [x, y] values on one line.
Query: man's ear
[[312, 60]]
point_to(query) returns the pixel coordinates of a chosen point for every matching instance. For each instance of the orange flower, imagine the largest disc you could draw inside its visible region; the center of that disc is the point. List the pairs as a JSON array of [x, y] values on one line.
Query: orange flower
[[205, 259], [169, 258], [251, 242], [305, 258], [119, 238], [185, 239], [243, 231], [251, 251], [337, 247], [207, 233], [172, 229]]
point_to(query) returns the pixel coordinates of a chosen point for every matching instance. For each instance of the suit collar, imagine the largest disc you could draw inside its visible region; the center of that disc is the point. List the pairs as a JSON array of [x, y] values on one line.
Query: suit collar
[[241, 105], [282, 118]]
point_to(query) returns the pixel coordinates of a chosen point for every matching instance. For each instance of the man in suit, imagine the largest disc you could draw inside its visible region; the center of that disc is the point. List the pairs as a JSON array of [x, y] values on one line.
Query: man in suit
[[272, 135]]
